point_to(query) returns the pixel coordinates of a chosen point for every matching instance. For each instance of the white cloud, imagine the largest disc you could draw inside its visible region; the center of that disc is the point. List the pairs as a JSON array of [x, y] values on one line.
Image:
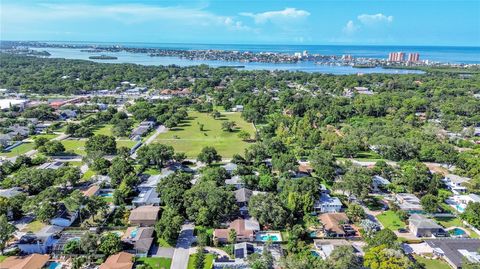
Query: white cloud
[[372, 19], [123, 13], [350, 28], [277, 16]]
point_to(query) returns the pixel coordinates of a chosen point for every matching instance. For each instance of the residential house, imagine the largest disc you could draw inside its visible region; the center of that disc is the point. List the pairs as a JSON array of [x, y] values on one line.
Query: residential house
[[5, 140], [379, 183], [456, 183], [146, 197], [245, 229], [456, 250], [51, 165], [235, 181], [409, 203], [230, 167], [327, 204], [460, 202], [237, 108], [153, 180], [11, 192], [242, 196], [18, 130], [243, 250], [141, 239], [325, 247], [33, 261], [122, 260], [64, 218], [144, 215], [421, 226], [93, 190], [143, 128], [336, 225], [41, 241], [68, 114]]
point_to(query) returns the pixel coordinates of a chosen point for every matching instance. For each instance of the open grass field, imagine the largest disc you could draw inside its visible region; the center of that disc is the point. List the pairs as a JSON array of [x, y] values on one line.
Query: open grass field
[[156, 262], [390, 220], [78, 146], [432, 264], [208, 261], [188, 138], [104, 130], [22, 149]]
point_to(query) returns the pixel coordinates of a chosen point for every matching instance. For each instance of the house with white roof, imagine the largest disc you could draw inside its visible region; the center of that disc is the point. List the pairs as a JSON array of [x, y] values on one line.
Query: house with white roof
[[456, 183], [327, 204]]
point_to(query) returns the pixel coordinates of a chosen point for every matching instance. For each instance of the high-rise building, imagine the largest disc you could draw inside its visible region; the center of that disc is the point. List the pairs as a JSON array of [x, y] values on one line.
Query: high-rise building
[[396, 56], [413, 57]]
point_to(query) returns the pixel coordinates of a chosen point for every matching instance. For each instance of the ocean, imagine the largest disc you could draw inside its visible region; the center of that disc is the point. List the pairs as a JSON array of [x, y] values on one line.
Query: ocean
[[465, 55]]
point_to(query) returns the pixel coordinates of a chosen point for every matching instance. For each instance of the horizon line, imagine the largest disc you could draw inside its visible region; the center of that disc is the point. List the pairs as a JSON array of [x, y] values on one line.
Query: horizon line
[[233, 44]]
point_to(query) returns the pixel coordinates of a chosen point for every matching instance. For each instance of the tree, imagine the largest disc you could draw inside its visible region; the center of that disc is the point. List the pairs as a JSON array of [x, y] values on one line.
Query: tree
[[179, 157], [430, 203], [355, 212], [244, 135], [268, 210], [209, 155], [381, 257], [6, 231], [323, 163], [343, 257], [155, 154], [385, 237], [101, 143], [119, 170], [169, 225], [100, 165], [356, 181], [52, 147], [89, 243], [215, 174], [232, 239], [415, 176], [209, 205], [172, 190], [228, 126], [39, 142], [110, 244], [285, 162], [200, 258], [72, 246], [472, 214]]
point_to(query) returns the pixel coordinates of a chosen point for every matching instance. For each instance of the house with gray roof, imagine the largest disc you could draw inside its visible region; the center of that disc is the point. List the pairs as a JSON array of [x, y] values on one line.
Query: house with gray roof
[[146, 197], [421, 226], [9, 193], [456, 250], [40, 242]]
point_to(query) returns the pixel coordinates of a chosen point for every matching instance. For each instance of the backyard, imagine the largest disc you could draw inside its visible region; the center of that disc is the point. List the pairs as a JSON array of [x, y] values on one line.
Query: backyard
[[22, 149], [188, 137], [156, 262], [432, 264], [78, 146], [208, 261], [390, 220]]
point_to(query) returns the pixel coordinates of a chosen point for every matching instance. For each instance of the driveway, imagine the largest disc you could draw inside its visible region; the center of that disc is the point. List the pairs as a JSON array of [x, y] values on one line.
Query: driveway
[[160, 129], [182, 249]]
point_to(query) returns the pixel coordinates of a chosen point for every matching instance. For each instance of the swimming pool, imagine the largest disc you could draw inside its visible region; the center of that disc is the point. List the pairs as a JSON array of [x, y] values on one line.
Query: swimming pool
[[268, 236], [458, 232], [106, 194], [55, 265]]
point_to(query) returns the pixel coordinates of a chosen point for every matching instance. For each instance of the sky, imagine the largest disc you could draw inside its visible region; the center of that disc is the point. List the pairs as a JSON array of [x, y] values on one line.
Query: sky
[[312, 22]]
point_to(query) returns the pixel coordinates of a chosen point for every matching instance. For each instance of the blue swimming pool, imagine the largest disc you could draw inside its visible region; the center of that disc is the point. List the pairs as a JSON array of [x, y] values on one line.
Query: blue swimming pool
[[55, 265], [268, 236], [106, 194], [458, 232]]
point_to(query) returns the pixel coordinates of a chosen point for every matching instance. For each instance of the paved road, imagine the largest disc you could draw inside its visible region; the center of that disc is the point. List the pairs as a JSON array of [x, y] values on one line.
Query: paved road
[[182, 249], [160, 129]]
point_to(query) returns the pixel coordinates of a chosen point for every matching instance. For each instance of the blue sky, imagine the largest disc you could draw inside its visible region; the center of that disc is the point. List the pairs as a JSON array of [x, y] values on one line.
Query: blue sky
[[356, 22]]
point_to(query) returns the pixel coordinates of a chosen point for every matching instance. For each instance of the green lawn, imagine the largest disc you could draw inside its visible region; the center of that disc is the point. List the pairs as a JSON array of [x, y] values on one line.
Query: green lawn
[[455, 222], [34, 226], [88, 174], [390, 220], [48, 136], [156, 262], [22, 149], [104, 130], [188, 138], [2, 258], [78, 146], [208, 261], [432, 264]]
